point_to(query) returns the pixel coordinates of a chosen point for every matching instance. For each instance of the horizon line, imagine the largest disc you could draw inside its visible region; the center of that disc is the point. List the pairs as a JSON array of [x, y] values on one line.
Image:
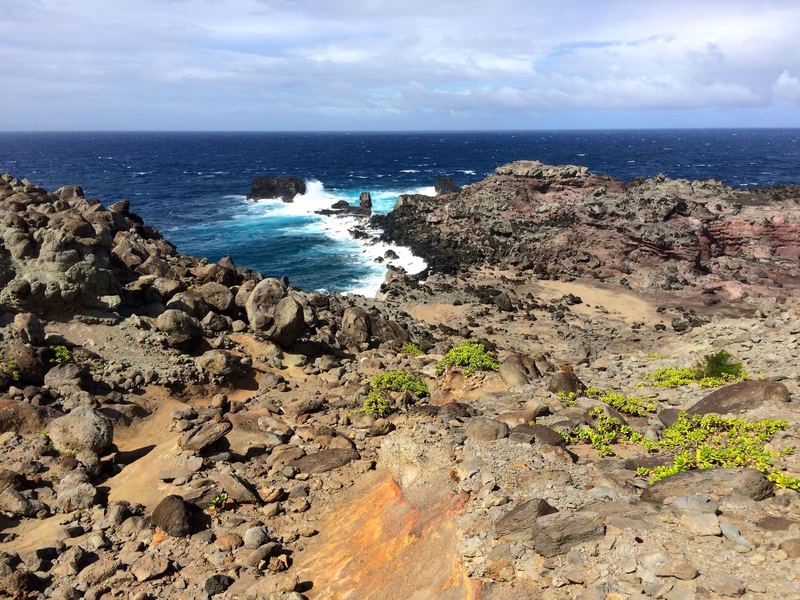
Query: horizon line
[[396, 131]]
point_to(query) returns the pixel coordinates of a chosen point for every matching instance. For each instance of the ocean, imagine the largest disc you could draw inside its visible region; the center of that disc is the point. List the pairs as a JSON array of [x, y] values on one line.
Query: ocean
[[193, 186]]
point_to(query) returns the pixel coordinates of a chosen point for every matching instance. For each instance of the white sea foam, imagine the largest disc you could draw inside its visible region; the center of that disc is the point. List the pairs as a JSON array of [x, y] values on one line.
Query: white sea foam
[[467, 172], [409, 170], [337, 227]]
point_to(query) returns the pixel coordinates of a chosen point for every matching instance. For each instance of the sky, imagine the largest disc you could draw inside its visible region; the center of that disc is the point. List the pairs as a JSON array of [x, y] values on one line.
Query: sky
[[398, 65]]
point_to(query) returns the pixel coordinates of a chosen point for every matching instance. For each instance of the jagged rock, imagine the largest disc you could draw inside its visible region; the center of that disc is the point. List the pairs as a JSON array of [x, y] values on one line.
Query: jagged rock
[[150, 566], [82, 429], [556, 533], [355, 325], [268, 187], [172, 515], [325, 460], [29, 329], [513, 371], [522, 518], [205, 435], [445, 185]]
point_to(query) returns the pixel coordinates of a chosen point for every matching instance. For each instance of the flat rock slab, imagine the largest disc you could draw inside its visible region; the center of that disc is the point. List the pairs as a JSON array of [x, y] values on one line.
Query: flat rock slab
[[205, 435], [325, 460], [523, 517], [715, 483], [556, 533], [739, 398]]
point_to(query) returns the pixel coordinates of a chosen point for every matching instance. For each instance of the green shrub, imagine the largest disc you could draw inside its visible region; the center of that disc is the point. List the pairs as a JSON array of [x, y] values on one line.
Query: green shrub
[[412, 349], [606, 431], [376, 405], [62, 355], [471, 355], [629, 405], [716, 369], [698, 442], [709, 441], [218, 502], [400, 381], [9, 367]]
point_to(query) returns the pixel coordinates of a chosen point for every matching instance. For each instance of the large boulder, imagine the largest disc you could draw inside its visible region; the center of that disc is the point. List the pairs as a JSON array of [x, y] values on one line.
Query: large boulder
[[285, 188], [24, 363], [173, 516], [288, 322], [261, 303], [740, 398], [445, 185], [28, 328], [217, 363], [83, 429], [182, 329], [217, 296], [356, 325]]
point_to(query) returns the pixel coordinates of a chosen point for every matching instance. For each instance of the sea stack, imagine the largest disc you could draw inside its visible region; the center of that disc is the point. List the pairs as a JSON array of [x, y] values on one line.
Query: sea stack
[[270, 187]]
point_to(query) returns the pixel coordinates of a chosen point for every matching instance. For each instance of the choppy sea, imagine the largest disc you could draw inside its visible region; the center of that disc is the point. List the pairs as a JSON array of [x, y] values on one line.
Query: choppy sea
[[193, 186]]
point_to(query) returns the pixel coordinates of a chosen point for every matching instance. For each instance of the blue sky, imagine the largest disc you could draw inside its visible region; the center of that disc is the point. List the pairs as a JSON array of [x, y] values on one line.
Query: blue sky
[[381, 65]]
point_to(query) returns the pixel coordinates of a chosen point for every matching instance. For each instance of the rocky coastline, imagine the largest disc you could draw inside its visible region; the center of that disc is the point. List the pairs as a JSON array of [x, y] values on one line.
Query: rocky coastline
[[591, 393]]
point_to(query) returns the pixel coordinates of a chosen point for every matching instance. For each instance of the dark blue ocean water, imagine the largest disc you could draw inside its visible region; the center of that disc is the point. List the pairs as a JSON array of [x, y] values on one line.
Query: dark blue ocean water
[[193, 185]]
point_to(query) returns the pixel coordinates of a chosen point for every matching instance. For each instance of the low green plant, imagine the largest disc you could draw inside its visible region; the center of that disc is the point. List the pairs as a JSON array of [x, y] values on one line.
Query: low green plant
[[568, 398], [629, 405], [61, 355], [715, 370], [607, 430], [709, 441], [412, 349], [376, 405], [400, 381], [9, 367], [471, 355], [218, 502]]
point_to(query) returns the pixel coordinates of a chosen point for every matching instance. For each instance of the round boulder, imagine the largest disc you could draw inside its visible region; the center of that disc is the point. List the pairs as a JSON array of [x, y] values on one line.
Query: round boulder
[[288, 322], [181, 328], [172, 516], [262, 302], [217, 296], [83, 429]]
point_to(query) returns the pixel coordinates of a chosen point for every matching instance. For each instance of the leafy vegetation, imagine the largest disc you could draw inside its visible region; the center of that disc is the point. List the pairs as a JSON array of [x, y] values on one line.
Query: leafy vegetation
[[716, 369], [376, 405], [471, 355], [709, 441], [9, 367], [412, 349], [629, 405], [400, 381], [606, 431], [218, 502], [61, 355], [697, 441]]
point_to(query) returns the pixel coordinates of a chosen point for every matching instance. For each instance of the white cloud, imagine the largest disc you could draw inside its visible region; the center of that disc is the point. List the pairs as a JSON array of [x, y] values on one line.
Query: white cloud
[[380, 59], [787, 87]]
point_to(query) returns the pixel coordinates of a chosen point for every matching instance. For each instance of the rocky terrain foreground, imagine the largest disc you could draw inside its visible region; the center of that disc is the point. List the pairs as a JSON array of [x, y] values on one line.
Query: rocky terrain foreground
[[592, 393]]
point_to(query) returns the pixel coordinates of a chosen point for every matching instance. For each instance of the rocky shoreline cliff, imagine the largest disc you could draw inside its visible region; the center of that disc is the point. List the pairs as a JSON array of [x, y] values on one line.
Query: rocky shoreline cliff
[[591, 393]]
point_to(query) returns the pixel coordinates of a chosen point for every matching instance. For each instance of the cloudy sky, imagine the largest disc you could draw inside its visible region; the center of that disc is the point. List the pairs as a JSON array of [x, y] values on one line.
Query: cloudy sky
[[410, 64]]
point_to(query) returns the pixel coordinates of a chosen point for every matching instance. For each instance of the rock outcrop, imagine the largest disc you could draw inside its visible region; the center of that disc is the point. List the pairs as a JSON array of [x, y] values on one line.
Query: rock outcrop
[[563, 221], [269, 187]]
